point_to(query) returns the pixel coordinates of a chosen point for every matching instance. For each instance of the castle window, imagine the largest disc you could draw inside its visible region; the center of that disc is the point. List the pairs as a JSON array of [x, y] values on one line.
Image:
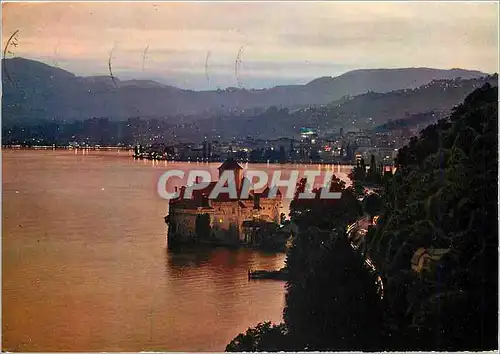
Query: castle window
[[234, 210], [220, 220]]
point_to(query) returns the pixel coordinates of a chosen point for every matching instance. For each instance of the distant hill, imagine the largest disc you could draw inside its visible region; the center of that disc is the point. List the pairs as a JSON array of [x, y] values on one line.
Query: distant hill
[[422, 105], [415, 120], [374, 108], [34, 91], [384, 80]]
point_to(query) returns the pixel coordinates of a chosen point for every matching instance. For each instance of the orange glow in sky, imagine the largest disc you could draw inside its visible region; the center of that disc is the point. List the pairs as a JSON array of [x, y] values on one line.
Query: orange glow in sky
[[283, 42]]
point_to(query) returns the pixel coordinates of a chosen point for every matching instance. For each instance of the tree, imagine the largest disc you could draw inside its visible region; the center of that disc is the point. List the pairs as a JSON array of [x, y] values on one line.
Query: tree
[[372, 204], [358, 189], [439, 199], [358, 173], [373, 165], [331, 301], [262, 337], [362, 164], [325, 213]]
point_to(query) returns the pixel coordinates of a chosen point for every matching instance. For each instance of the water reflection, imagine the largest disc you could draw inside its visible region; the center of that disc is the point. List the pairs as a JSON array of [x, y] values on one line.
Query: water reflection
[[85, 265], [179, 258], [220, 260]]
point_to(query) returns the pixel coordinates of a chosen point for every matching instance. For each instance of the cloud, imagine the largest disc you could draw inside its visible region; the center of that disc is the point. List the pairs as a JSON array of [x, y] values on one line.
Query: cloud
[[278, 37]]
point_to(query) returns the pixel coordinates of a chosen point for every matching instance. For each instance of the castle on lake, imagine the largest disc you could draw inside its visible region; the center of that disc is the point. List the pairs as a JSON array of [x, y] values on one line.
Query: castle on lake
[[224, 220]]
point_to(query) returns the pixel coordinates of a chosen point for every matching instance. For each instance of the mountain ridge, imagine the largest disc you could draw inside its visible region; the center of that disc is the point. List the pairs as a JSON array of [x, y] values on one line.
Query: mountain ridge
[[454, 72], [34, 90]]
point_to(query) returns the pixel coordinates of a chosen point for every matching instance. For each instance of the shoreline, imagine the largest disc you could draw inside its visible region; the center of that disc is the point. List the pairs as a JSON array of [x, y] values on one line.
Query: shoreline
[[336, 163], [135, 157], [52, 147]]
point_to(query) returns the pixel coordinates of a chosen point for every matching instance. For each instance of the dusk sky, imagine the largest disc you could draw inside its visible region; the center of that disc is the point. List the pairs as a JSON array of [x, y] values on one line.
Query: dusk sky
[[283, 43]]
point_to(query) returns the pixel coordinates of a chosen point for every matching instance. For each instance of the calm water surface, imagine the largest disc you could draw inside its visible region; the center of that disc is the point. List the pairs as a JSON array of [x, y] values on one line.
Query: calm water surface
[[85, 265]]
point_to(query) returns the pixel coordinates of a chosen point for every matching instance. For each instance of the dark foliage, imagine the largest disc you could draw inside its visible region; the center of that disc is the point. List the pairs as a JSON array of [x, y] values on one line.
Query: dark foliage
[[363, 176], [444, 196], [325, 213], [263, 337], [331, 301], [372, 204]]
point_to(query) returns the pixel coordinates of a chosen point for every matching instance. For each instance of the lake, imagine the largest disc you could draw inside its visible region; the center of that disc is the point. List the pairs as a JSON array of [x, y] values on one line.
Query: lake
[[86, 268]]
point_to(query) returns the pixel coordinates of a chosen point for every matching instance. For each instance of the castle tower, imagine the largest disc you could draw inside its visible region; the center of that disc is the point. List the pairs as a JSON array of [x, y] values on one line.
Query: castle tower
[[232, 165]]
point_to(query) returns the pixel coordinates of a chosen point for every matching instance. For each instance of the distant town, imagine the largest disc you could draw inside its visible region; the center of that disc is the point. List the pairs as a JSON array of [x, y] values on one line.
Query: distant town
[[348, 128], [308, 146]]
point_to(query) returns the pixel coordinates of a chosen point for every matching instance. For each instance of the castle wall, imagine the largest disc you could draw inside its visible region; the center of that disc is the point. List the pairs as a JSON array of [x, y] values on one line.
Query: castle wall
[[226, 219], [229, 216], [270, 209], [182, 225]]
